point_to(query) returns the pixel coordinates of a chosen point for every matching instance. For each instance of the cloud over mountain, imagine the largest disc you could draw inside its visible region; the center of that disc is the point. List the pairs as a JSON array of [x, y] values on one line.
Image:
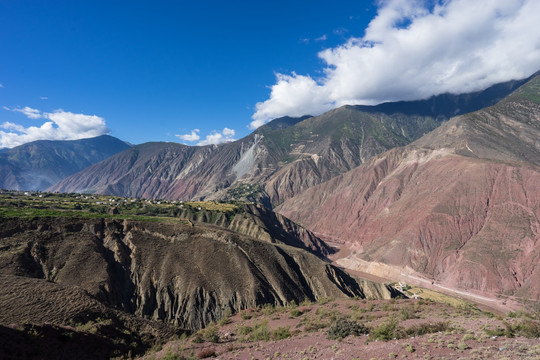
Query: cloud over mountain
[[414, 49], [61, 125], [215, 137]]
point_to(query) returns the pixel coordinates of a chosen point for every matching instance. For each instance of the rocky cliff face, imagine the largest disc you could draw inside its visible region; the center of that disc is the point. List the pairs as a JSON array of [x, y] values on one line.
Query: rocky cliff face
[[185, 274], [277, 161], [40, 164], [460, 205]]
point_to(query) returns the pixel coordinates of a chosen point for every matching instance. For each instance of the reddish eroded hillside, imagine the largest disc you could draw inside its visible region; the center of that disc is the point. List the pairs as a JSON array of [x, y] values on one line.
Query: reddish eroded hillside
[[474, 227], [460, 207]]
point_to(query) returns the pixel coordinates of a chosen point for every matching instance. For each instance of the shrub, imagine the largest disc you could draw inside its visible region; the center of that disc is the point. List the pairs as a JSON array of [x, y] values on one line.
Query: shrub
[[244, 329], [342, 328], [226, 318], [245, 315], [407, 312], [295, 313], [281, 333], [211, 333], [268, 309], [313, 324], [385, 331], [197, 339], [324, 300], [260, 331], [526, 328]]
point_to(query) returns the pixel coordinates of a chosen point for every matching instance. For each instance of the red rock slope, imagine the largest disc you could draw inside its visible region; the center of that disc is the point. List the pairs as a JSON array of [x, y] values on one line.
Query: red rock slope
[[461, 206]]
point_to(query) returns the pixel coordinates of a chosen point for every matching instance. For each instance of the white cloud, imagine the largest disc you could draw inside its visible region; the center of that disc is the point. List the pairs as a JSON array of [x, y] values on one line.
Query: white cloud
[[43, 97], [228, 132], [215, 137], [28, 111], [412, 51], [193, 136], [1, 86], [62, 125]]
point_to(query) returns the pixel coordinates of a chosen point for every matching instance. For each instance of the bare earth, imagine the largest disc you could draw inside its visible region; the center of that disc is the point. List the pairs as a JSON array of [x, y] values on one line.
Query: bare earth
[[307, 327]]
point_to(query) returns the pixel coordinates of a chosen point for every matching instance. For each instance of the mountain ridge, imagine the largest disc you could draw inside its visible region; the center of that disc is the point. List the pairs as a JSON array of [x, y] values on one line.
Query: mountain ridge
[[458, 206], [277, 161], [39, 164]]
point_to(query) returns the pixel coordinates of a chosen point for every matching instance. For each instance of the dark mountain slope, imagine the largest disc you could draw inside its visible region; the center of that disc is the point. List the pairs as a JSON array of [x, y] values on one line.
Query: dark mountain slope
[[460, 206], [39, 164], [186, 274], [280, 159]]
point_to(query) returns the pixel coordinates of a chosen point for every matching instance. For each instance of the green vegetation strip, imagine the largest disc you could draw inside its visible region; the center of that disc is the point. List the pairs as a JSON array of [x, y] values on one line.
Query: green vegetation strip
[[36, 213]]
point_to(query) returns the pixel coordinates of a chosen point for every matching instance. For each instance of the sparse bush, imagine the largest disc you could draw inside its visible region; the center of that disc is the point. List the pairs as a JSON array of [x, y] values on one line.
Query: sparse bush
[[324, 300], [226, 318], [527, 328], [428, 328], [197, 339], [281, 333], [260, 331], [246, 315], [313, 324], [407, 312], [342, 328], [256, 332], [295, 313], [268, 309], [385, 331], [244, 329], [211, 333]]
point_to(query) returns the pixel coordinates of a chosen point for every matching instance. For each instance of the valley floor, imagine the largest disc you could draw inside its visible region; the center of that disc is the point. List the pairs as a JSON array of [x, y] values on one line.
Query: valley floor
[[344, 259]]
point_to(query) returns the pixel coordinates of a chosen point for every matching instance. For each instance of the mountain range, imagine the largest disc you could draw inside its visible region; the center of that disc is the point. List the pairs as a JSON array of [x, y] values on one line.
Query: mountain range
[[459, 206], [278, 160], [442, 193], [39, 164]]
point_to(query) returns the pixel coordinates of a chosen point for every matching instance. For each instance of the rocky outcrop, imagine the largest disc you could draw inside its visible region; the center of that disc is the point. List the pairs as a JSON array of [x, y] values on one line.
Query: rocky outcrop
[[185, 274]]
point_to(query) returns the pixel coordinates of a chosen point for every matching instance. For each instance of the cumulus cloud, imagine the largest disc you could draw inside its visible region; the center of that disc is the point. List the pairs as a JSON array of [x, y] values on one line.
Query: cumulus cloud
[[414, 49], [193, 136], [61, 125], [215, 137]]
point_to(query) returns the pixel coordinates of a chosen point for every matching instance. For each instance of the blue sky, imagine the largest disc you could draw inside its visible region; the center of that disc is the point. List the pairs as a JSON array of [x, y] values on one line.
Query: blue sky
[[160, 68], [148, 71]]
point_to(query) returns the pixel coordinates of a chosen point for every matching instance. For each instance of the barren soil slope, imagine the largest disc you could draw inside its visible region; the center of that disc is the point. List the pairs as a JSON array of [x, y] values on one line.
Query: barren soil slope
[[461, 206]]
